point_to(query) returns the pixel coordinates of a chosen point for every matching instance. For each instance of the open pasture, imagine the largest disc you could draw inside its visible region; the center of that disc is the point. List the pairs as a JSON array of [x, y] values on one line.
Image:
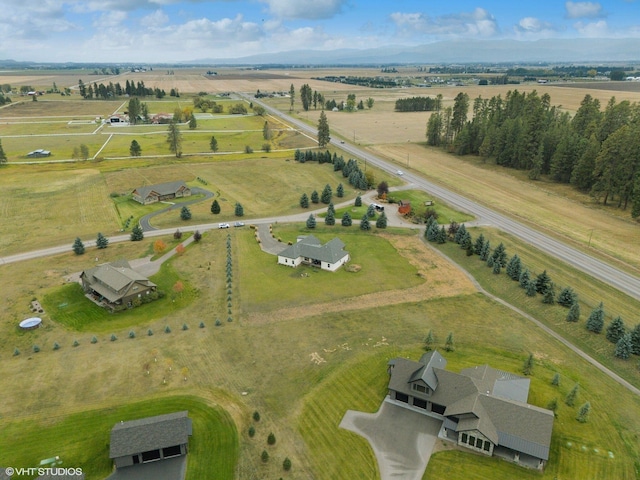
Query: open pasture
[[61, 146], [56, 107]]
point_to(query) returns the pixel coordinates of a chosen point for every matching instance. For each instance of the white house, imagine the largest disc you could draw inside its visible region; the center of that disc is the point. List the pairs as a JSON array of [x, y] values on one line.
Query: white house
[[310, 251]]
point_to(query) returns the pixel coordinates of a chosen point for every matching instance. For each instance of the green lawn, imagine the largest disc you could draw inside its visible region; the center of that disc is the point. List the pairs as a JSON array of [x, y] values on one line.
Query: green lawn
[[82, 439], [418, 198]]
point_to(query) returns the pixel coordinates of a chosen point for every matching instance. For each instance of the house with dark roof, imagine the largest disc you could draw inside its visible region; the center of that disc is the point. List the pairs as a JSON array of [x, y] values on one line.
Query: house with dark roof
[[150, 439], [116, 284], [162, 191], [310, 251], [482, 408]]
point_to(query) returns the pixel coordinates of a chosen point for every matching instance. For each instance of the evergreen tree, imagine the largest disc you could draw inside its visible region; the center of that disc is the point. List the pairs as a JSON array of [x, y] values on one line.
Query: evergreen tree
[[624, 347], [595, 322], [215, 207], [531, 288], [479, 245], [429, 341], [635, 340], [3, 156], [364, 223], [583, 413], [197, 236], [567, 297], [570, 399], [448, 344], [185, 213], [500, 255], [213, 144], [174, 139], [78, 246], [358, 201], [496, 268], [381, 222], [315, 198], [311, 221], [239, 210], [304, 201], [514, 268], [432, 232], [102, 241], [543, 283], [266, 131], [346, 219], [574, 313], [466, 243], [460, 234], [442, 236], [324, 136], [549, 296], [330, 218], [340, 191], [134, 149], [286, 464], [615, 330], [553, 406], [491, 263], [137, 234], [327, 193], [486, 251], [555, 381], [527, 368], [193, 123], [525, 278]]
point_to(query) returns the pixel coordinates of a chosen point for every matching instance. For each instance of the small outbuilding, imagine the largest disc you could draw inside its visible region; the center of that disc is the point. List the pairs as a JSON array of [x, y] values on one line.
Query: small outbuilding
[[150, 439]]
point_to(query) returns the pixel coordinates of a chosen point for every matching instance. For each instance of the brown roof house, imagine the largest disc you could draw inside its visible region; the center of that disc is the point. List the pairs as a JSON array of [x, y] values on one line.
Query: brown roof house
[[310, 251], [162, 191], [116, 285], [150, 439], [483, 409]]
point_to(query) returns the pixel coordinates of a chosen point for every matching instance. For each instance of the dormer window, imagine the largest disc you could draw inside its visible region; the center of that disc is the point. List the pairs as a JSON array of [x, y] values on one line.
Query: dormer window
[[420, 388]]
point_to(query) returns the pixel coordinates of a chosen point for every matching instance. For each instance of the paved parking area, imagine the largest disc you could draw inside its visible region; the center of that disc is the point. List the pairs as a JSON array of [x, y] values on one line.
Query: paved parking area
[[402, 440]]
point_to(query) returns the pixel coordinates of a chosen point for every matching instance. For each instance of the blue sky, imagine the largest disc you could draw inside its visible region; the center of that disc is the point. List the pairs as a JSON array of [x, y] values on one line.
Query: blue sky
[[174, 30]]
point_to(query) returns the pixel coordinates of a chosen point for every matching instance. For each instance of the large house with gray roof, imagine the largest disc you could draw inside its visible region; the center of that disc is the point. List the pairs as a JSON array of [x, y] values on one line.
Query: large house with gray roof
[[116, 285], [310, 251], [162, 191], [482, 408], [150, 439]]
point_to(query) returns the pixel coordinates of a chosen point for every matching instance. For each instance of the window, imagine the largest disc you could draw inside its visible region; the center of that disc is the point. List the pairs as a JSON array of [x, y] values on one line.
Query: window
[[401, 397], [487, 446], [479, 442], [150, 455], [420, 403], [463, 439], [419, 388]]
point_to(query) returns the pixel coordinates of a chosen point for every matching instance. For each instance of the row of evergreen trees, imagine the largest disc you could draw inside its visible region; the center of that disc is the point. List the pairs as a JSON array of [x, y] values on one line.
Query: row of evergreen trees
[[104, 92], [350, 169], [419, 104], [596, 151], [627, 341]]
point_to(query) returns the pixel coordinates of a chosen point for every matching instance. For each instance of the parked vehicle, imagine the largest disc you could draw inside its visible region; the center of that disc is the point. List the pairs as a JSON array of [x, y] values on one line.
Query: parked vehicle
[[223, 225], [238, 224]]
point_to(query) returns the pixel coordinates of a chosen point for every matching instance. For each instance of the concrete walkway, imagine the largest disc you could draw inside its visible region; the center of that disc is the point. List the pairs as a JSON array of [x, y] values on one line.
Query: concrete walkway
[[402, 440]]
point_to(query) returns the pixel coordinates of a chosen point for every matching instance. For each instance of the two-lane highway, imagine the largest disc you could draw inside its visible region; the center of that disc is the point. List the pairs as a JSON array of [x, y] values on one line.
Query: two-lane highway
[[609, 274]]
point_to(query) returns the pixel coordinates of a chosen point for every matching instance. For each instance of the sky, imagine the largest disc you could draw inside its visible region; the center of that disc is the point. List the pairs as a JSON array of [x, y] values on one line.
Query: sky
[[149, 31]]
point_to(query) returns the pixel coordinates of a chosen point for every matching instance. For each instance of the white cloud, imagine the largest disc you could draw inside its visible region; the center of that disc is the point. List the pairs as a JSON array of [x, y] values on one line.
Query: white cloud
[[478, 23], [110, 19], [154, 20], [305, 9], [532, 27], [583, 10], [593, 29]]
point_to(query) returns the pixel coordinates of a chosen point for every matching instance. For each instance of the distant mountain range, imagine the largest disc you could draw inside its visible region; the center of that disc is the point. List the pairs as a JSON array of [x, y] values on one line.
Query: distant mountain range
[[459, 51]]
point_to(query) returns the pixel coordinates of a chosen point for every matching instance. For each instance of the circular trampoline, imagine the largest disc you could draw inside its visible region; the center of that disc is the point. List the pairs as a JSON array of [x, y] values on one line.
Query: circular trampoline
[[30, 323]]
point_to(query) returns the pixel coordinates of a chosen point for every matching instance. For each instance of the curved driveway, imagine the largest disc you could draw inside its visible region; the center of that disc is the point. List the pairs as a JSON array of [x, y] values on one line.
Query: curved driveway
[[623, 281], [145, 224]]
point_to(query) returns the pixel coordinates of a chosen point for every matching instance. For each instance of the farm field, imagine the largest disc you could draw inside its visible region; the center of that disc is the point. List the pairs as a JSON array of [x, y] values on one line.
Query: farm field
[[299, 346]]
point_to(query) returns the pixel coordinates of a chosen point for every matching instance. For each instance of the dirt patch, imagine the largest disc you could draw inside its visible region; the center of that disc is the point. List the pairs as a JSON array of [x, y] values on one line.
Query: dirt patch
[[443, 279]]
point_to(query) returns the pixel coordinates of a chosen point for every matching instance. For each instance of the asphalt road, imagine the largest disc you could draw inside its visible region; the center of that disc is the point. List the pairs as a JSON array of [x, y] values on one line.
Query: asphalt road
[[609, 274]]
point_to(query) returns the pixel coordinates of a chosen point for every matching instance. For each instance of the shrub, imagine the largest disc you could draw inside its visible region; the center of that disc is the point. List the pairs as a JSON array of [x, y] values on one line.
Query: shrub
[[149, 332], [286, 464], [94, 340], [132, 334], [201, 325], [252, 431], [256, 416], [248, 149], [271, 439], [265, 456], [185, 326], [113, 337], [76, 343], [36, 349], [16, 352], [56, 346], [167, 329]]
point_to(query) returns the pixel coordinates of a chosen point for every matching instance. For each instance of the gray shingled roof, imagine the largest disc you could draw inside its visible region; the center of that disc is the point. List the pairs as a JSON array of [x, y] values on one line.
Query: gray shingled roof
[[151, 433], [166, 188], [431, 360], [112, 279], [311, 247]]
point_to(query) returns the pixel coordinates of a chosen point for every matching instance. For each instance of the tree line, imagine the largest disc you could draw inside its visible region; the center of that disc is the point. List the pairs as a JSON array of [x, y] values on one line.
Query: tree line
[[419, 104], [597, 150], [350, 169], [104, 92]]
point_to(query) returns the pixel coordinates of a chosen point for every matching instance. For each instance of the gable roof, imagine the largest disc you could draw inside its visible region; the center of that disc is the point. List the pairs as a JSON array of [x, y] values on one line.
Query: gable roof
[[151, 433], [311, 247], [426, 373], [166, 188], [114, 280]]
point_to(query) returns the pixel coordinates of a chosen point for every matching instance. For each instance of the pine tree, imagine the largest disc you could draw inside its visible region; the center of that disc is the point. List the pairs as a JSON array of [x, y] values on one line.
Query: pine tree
[[543, 283], [371, 211], [381, 222], [553, 406], [286, 464], [635, 340], [467, 244], [531, 288], [583, 413], [346, 219], [496, 268], [555, 381], [358, 201], [239, 210], [137, 234], [304, 201], [330, 218], [327, 193], [213, 144], [615, 330], [432, 232], [442, 235], [574, 313], [364, 223], [78, 246], [324, 136], [215, 207], [527, 368], [595, 322], [624, 347], [448, 344], [567, 297], [102, 241], [460, 234], [549, 296], [429, 341], [311, 221], [479, 245], [572, 395], [486, 251], [185, 213], [315, 198], [174, 139], [514, 268], [340, 191], [3, 156], [500, 255], [134, 149], [525, 278]]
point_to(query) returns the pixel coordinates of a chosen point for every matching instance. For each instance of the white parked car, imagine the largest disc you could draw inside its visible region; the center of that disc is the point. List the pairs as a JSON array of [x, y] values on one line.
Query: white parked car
[[238, 224], [400, 172], [223, 225]]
